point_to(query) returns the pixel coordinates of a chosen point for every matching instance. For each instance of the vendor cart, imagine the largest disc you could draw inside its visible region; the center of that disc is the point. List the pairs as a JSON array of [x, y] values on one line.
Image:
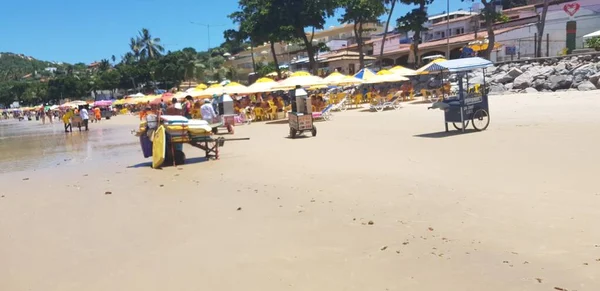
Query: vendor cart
[[469, 105], [300, 118], [226, 118]]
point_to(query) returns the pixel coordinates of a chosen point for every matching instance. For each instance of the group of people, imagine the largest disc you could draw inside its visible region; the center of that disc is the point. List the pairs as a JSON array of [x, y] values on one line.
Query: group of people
[[83, 112], [188, 108]]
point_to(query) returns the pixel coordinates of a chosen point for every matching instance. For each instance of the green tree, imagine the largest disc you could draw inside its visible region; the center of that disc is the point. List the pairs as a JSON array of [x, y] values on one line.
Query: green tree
[[104, 65], [392, 4], [359, 13], [297, 16], [414, 21], [490, 16], [150, 47], [135, 46]]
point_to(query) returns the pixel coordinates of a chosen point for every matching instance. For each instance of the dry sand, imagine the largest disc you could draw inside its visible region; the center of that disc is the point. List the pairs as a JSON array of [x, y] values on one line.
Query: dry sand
[[515, 207]]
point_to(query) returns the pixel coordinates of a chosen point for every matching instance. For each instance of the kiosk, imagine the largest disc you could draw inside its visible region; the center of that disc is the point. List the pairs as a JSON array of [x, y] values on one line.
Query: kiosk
[[300, 118]]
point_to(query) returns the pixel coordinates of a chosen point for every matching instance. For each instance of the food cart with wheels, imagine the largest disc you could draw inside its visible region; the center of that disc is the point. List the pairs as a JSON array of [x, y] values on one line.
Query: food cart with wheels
[[226, 113], [300, 118], [468, 105]]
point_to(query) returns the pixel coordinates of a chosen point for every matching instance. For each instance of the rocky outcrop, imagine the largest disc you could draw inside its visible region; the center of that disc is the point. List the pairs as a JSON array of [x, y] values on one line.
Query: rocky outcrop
[[577, 73]]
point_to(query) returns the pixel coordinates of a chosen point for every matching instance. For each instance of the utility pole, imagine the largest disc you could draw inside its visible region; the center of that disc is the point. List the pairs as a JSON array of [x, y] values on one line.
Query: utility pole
[[208, 26], [448, 29]]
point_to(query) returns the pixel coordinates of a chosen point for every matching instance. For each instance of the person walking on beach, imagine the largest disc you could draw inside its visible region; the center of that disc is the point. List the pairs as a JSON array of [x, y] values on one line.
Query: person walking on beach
[[84, 116], [97, 114], [208, 111], [42, 115], [174, 108], [187, 107], [67, 120]]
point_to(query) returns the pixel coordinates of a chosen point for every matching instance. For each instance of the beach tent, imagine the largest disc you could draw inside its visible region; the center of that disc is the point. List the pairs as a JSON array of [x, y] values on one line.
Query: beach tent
[[364, 74], [459, 65]]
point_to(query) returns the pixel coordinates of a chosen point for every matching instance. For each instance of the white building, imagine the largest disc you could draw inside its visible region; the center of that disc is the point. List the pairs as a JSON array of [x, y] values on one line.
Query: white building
[[554, 39]]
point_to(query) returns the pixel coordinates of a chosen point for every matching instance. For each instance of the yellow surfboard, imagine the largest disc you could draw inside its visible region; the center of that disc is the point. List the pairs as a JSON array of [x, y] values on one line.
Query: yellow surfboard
[[159, 142]]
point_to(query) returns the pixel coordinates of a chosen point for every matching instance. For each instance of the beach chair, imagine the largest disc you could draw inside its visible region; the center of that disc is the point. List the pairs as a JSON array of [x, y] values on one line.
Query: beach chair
[[341, 105], [324, 114], [394, 103]]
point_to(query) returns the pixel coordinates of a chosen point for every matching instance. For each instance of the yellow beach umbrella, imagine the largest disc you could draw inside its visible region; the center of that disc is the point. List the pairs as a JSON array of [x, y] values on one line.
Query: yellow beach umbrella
[[482, 44], [201, 87], [402, 71], [212, 90], [260, 86], [335, 76], [384, 72], [303, 81], [235, 88], [423, 70], [119, 102], [300, 74], [347, 81]]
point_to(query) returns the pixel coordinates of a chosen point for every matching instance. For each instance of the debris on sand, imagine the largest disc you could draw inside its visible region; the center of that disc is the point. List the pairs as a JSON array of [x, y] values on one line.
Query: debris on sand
[[370, 222], [107, 193], [25, 179], [539, 280], [239, 208], [560, 289], [383, 248], [430, 229]]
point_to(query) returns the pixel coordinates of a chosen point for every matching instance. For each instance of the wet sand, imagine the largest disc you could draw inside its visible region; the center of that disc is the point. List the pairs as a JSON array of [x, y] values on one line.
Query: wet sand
[[377, 201]]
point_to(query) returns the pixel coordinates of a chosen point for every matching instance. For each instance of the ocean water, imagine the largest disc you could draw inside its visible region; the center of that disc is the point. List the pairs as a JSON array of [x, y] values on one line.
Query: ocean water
[[29, 145]]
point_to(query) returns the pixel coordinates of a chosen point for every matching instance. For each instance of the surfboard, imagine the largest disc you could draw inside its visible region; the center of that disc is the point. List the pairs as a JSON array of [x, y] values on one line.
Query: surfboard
[[159, 142]]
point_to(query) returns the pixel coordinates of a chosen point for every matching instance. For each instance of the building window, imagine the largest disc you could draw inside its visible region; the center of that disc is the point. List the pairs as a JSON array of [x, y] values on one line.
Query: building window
[[460, 30], [442, 34]]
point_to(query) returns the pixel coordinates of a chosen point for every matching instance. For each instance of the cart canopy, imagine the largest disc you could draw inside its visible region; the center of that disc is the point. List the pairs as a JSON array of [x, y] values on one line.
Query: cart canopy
[[459, 65]]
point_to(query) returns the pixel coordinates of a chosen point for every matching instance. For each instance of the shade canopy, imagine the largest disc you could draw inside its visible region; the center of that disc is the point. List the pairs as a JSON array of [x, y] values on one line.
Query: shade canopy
[[347, 81], [137, 95], [460, 65], [212, 90], [261, 85], [593, 34], [103, 103], [300, 74], [334, 77], [303, 81], [201, 87]]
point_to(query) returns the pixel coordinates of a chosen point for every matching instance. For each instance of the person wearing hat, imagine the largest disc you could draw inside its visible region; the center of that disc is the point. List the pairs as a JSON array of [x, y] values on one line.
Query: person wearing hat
[[208, 112]]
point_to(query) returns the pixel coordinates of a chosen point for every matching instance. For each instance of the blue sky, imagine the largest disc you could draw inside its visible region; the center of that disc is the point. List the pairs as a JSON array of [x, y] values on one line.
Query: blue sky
[[88, 30]]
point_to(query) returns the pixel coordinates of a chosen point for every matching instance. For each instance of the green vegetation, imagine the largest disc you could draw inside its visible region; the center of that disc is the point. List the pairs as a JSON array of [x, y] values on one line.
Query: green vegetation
[[414, 21], [593, 42]]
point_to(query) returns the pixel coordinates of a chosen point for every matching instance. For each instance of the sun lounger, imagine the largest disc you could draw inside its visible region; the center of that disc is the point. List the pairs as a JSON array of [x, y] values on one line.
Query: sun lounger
[[392, 103], [325, 114]]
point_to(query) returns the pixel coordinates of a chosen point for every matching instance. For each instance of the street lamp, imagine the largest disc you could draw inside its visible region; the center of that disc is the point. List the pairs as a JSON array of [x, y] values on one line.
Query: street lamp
[[207, 30]]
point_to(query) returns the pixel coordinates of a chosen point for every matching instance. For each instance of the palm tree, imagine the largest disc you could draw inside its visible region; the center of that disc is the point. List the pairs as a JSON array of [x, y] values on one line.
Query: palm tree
[[135, 46], [104, 65], [150, 47], [189, 60]]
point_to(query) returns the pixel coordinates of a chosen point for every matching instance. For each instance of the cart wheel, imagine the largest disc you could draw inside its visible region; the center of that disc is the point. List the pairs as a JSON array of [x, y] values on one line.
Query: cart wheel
[[215, 130], [230, 128], [481, 119], [292, 133], [458, 125], [379, 108], [314, 131]]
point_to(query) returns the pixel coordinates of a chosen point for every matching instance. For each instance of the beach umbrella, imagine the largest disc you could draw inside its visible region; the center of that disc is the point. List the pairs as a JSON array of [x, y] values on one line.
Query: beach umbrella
[[364, 74], [103, 103], [347, 81], [423, 70], [210, 91], [482, 44], [137, 95], [74, 103], [201, 87], [261, 85], [384, 72], [386, 78], [334, 77], [403, 71], [234, 88], [303, 81], [119, 102], [300, 74]]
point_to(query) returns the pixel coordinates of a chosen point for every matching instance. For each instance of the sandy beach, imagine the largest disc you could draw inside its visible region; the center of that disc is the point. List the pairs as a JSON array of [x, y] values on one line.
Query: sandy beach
[[377, 201]]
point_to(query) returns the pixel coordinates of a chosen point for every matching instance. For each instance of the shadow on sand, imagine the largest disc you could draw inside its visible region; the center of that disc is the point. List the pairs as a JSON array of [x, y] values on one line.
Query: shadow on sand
[[189, 161], [443, 134]]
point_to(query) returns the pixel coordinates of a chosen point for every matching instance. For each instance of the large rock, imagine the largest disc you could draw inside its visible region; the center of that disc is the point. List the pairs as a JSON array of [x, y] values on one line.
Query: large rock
[[578, 79], [541, 70], [502, 68], [497, 89], [586, 86], [523, 81], [561, 66], [508, 76], [585, 70], [530, 90], [594, 79], [539, 84], [558, 82], [508, 86]]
